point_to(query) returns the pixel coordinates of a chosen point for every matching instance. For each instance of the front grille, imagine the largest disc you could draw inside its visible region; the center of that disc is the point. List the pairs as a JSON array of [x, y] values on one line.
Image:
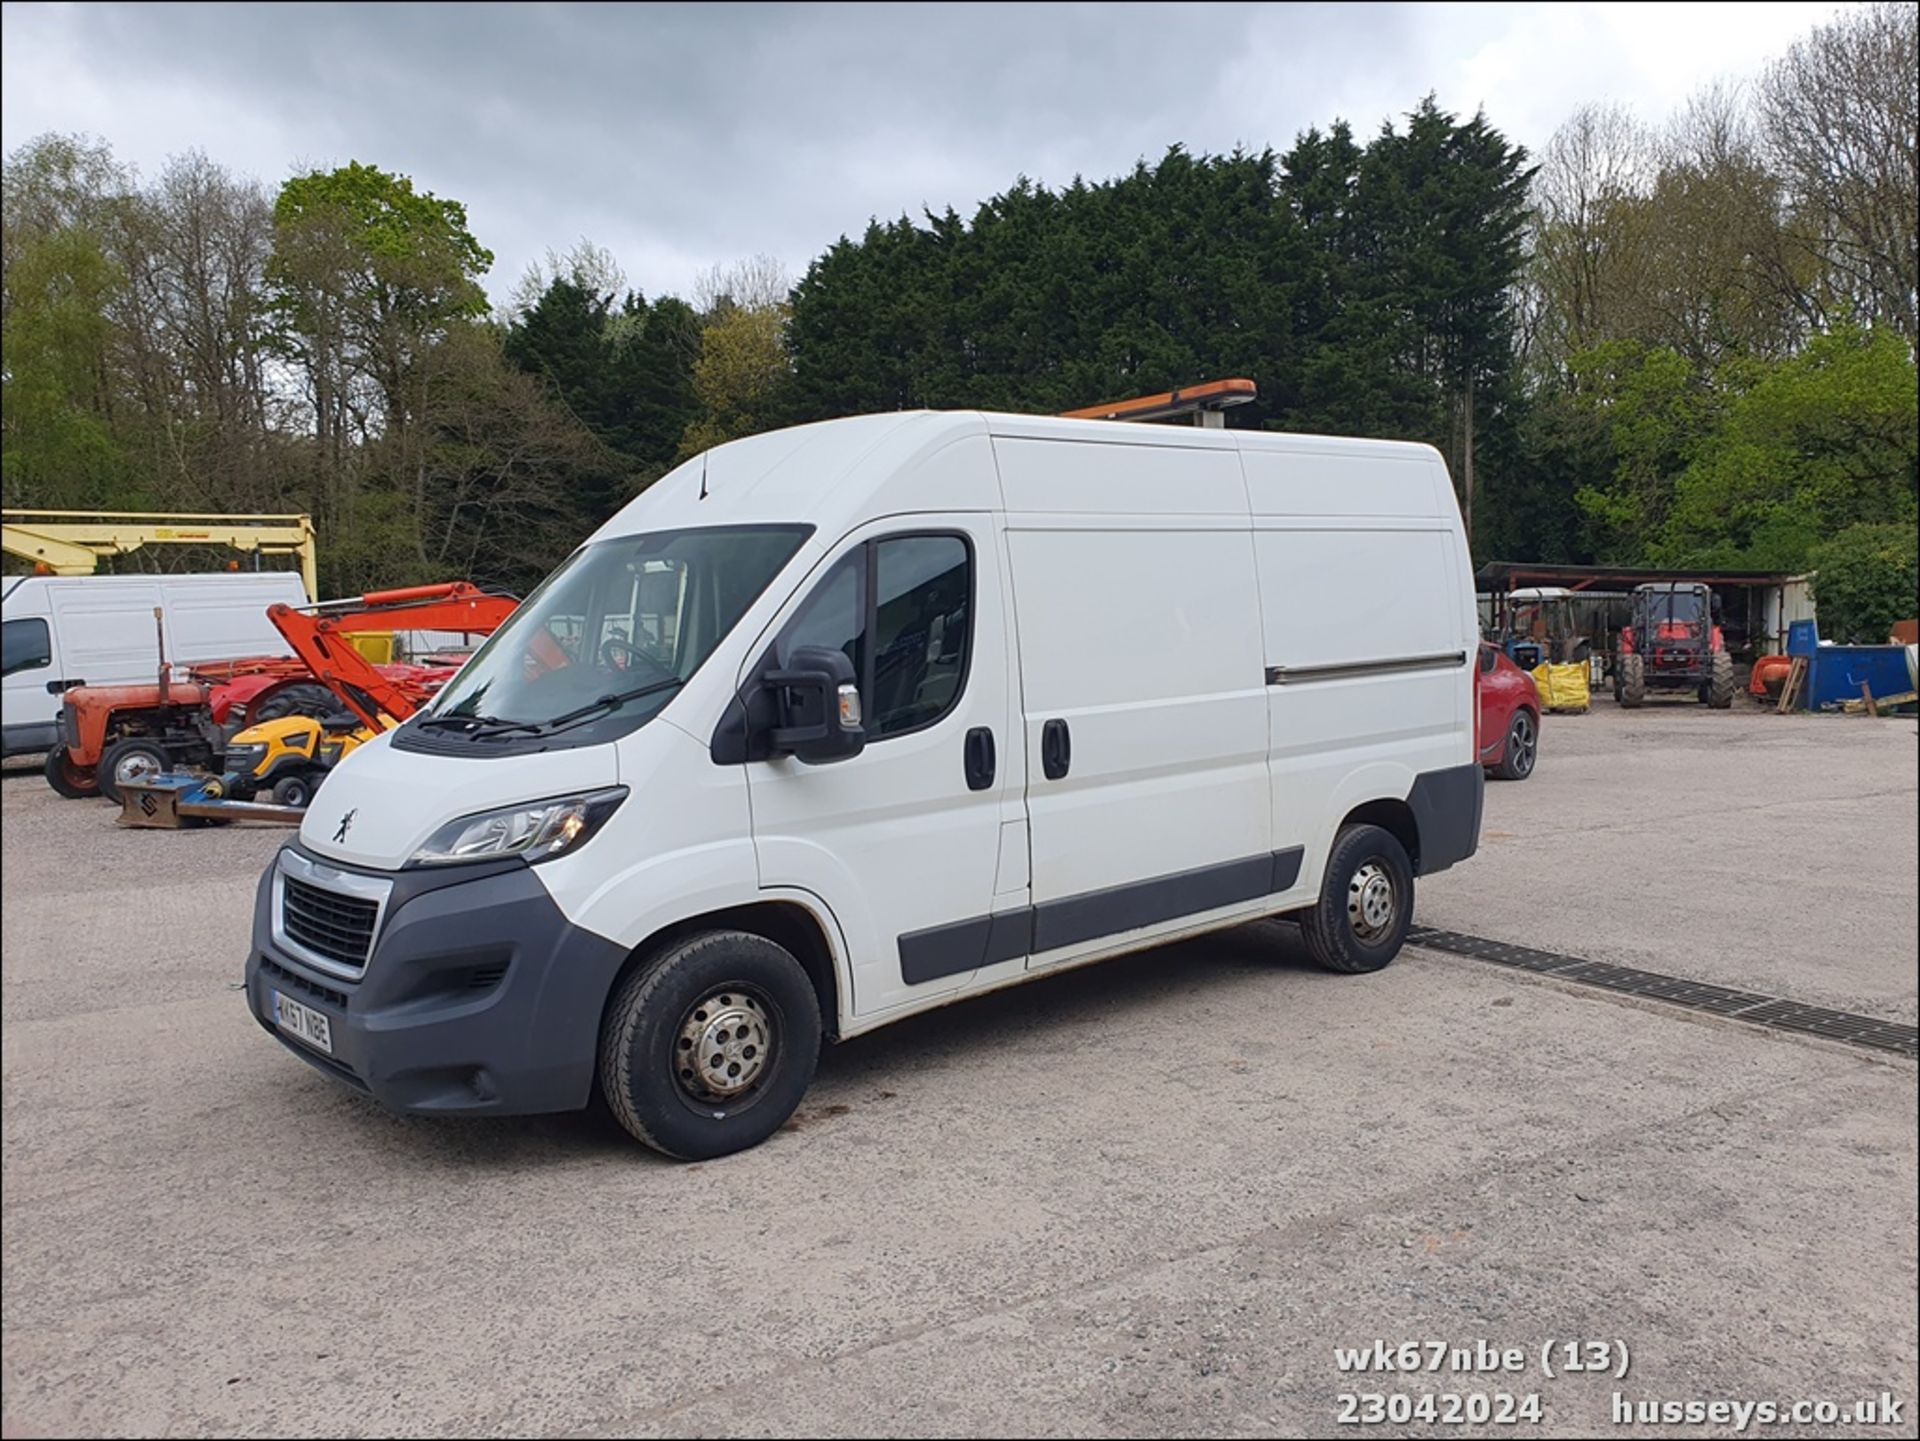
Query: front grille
[[327, 923], [69, 727]]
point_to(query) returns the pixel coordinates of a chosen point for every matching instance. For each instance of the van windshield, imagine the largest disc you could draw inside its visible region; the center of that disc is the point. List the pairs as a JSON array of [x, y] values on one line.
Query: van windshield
[[612, 633]]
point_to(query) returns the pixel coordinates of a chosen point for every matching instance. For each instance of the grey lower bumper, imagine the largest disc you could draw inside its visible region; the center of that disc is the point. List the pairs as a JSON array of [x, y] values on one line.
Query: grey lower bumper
[[479, 996]]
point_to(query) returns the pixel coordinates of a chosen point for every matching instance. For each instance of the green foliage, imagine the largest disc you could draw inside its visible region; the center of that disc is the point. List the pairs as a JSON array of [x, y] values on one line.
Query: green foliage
[[1750, 465], [1654, 368], [1655, 411], [1046, 301], [625, 373], [742, 376], [1808, 445], [58, 451], [1869, 578], [407, 252], [1365, 290]]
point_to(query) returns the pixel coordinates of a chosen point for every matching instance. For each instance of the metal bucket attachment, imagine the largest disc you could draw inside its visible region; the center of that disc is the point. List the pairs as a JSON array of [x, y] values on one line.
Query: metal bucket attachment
[[174, 802]]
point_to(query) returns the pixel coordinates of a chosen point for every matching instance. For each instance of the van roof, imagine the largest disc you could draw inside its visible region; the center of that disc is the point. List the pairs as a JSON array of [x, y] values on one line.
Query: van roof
[[833, 472]]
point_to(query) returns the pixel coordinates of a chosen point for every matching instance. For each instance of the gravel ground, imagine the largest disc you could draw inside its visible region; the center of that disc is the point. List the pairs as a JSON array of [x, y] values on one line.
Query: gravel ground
[[1145, 1198]]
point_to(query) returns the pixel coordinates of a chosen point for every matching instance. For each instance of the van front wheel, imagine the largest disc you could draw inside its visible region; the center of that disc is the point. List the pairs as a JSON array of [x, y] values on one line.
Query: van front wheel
[[1365, 905], [707, 1048]]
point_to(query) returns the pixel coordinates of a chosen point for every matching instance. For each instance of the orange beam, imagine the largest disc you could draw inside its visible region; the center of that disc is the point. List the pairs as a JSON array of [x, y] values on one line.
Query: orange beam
[[1213, 395]]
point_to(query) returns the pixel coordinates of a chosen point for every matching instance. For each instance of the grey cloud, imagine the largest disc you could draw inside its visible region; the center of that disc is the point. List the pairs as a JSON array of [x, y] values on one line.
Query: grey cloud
[[678, 136]]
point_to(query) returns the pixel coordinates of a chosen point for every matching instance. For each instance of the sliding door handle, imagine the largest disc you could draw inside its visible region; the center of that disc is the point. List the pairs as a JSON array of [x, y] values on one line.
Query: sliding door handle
[[1056, 749]]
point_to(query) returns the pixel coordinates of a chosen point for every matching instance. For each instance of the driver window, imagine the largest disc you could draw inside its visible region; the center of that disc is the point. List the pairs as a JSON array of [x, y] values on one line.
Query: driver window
[[1488, 657], [834, 616], [906, 633]]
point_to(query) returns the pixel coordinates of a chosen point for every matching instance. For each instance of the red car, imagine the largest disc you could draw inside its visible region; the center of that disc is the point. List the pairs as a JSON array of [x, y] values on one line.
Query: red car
[[1509, 729]]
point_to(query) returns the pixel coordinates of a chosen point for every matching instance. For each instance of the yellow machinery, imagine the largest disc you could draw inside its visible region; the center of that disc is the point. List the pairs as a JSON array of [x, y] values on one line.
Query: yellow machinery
[[287, 758], [71, 542]]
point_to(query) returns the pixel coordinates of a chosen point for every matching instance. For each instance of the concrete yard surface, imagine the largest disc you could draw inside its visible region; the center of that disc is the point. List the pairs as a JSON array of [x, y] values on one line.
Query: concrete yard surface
[[1151, 1197]]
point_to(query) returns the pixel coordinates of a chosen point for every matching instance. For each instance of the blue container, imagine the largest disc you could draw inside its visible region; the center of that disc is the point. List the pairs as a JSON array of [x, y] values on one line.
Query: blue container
[[1835, 673]]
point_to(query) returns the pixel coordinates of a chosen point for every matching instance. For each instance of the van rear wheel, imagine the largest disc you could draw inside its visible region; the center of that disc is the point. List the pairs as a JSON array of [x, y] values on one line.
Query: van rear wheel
[[1366, 902], [707, 1048]]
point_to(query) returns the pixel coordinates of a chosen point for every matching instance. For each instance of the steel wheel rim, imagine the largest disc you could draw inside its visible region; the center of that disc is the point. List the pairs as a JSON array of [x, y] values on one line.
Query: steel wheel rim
[[1371, 902], [725, 1045], [135, 768], [1523, 742]]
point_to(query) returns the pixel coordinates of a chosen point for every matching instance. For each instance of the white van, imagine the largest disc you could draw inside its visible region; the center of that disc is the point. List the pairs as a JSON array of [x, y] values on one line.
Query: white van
[[840, 723], [63, 631]]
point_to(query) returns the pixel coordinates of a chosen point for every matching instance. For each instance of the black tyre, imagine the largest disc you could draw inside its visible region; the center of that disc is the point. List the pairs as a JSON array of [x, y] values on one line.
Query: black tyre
[[75, 782], [708, 1046], [292, 791], [1632, 690], [1523, 747], [1720, 685], [134, 759], [1366, 902], [309, 699]]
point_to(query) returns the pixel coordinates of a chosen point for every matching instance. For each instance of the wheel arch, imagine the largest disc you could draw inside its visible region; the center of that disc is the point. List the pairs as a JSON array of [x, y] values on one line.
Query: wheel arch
[[785, 920], [1395, 817]]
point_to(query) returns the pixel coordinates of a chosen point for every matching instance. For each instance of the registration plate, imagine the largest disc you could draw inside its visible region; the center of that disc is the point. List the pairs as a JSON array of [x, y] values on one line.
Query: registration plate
[[303, 1022]]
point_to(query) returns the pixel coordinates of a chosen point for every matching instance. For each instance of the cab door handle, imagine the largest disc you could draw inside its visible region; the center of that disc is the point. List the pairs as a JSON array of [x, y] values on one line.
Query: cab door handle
[[1056, 749], [979, 758]]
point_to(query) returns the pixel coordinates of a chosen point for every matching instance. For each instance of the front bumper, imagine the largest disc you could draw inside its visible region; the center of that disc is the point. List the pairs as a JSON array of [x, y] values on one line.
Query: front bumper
[[478, 996]]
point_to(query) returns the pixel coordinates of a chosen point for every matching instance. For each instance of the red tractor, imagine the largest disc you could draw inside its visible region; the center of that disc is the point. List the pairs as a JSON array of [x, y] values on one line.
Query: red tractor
[[1674, 643], [111, 734]]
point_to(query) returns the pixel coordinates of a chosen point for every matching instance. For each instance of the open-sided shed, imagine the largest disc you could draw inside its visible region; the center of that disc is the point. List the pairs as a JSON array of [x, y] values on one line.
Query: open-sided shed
[[1756, 607]]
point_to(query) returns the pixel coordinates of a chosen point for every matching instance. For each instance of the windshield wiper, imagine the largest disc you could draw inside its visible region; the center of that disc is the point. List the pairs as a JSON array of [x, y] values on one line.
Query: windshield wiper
[[612, 702], [476, 725]]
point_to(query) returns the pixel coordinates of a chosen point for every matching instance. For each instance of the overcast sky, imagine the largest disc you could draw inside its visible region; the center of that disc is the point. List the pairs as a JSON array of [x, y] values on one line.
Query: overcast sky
[[680, 136]]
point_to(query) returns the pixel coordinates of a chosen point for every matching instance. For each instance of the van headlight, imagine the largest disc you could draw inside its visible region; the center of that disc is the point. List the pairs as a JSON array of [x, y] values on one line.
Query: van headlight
[[535, 830]]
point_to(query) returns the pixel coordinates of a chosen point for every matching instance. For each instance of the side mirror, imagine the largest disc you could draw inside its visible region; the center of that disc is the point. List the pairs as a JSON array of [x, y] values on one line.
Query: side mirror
[[817, 705]]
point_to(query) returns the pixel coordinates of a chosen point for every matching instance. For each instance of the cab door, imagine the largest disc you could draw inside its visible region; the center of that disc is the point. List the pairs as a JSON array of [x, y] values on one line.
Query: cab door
[[904, 840]]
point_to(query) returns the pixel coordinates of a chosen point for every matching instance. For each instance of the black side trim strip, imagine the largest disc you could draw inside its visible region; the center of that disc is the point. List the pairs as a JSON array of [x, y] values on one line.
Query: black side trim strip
[[1010, 937], [1007, 935], [944, 950], [1073, 919], [1347, 670]]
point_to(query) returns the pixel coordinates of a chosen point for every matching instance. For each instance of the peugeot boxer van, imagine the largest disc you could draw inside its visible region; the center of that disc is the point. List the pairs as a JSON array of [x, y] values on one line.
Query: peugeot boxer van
[[840, 723]]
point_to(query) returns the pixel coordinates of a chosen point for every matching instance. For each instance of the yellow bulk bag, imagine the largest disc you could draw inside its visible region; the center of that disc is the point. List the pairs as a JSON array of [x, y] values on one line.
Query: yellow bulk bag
[[1562, 687]]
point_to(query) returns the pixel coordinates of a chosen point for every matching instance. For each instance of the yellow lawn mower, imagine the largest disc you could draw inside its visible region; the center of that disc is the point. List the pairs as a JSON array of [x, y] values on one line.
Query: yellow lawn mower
[[284, 760]]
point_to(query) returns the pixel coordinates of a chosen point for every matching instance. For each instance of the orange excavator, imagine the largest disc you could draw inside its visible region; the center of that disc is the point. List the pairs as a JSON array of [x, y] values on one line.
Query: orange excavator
[[286, 758], [111, 734]]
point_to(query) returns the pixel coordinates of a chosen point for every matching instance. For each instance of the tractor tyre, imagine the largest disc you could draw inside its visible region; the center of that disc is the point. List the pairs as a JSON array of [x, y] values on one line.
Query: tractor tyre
[[1720, 681], [134, 759], [75, 782], [1633, 679], [302, 698]]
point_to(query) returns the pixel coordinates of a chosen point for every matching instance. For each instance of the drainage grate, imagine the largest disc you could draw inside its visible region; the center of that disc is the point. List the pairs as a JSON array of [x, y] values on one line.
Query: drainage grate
[[1694, 995]]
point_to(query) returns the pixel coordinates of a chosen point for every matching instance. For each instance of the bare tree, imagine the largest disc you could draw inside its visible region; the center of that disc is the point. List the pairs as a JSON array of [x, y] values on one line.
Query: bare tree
[[1719, 275], [1589, 235], [1840, 114], [759, 282], [589, 266]]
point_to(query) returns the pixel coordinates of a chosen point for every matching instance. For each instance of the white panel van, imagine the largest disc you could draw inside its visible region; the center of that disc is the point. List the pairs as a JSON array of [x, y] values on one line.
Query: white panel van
[[839, 723], [63, 631]]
